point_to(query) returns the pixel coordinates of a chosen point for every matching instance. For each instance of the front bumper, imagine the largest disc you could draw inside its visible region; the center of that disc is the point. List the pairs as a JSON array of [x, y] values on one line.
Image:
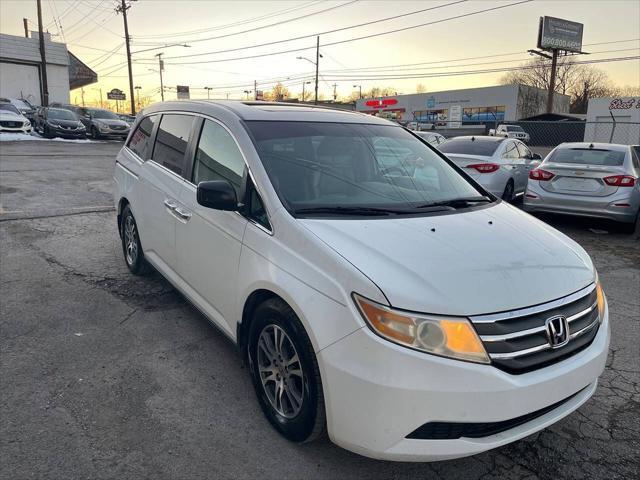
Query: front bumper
[[377, 393], [537, 199], [15, 129], [65, 133], [108, 132]]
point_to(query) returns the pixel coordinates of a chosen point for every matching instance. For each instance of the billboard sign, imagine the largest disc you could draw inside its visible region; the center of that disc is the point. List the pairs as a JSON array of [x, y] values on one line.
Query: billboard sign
[[558, 34], [183, 92], [116, 94], [455, 116]]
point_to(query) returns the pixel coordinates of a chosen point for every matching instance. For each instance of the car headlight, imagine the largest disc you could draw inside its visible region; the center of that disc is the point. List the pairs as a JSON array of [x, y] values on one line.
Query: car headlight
[[601, 299], [27, 123], [452, 337]]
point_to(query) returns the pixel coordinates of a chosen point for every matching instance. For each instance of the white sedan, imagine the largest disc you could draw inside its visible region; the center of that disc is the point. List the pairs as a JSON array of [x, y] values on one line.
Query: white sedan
[[501, 165], [11, 120], [432, 138]]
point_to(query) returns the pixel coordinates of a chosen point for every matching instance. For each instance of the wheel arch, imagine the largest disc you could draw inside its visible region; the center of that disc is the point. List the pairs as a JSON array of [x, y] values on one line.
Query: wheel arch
[[253, 300], [123, 202]]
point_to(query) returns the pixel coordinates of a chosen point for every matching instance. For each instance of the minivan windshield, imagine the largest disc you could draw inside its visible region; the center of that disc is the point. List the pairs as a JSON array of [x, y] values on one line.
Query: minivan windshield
[[360, 169], [514, 128], [97, 113], [470, 146]]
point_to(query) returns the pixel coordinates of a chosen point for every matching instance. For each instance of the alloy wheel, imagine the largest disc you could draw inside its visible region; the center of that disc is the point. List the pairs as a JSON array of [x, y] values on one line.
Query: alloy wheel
[[280, 371], [130, 240]]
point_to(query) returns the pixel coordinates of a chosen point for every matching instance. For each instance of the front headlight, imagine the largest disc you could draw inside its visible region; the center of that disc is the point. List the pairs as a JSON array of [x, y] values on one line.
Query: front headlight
[[601, 300], [452, 337]]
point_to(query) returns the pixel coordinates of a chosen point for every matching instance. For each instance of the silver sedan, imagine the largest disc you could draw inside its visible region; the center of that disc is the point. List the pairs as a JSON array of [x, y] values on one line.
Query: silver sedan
[[501, 165], [588, 179]]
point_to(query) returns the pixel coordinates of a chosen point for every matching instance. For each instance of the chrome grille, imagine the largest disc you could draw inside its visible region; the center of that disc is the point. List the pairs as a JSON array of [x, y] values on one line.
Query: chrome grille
[[518, 341]]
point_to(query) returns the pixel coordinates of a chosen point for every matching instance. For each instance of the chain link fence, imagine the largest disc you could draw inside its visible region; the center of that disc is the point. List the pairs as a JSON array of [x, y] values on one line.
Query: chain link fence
[[550, 134]]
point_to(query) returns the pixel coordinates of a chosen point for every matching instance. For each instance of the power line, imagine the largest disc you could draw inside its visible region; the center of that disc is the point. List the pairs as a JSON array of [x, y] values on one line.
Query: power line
[[356, 38], [234, 24], [326, 32], [281, 22]]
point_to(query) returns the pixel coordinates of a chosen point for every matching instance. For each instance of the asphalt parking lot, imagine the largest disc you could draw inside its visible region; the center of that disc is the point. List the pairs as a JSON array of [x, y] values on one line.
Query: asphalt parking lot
[[107, 375]]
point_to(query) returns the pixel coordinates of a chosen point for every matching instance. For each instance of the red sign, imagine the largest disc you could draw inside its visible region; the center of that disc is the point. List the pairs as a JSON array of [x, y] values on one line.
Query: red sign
[[382, 103]]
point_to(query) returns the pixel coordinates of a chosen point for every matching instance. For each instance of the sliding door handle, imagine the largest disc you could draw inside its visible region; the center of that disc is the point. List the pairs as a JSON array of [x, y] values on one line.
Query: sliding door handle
[[182, 214], [170, 204]]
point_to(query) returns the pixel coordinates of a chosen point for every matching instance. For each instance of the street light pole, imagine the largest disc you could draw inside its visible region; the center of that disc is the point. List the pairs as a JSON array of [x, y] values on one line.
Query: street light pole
[[161, 67], [317, 63], [360, 89], [137, 87], [208, 89]]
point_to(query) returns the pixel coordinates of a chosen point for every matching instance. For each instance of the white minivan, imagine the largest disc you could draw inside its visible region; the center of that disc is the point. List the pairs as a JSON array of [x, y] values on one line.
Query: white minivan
[[376, 291]]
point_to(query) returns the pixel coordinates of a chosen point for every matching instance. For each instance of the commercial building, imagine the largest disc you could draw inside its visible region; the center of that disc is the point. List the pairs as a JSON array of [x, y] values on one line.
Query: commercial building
[[20, 69], [614, 120], [455, 108]]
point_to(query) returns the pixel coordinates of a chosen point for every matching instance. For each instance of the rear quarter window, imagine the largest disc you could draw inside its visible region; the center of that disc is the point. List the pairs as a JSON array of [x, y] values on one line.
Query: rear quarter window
[[140, 142], [171, 141]]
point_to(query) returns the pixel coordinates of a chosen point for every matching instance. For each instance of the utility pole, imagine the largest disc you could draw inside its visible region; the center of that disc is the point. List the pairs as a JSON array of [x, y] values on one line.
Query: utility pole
[[101, 102], [122, 8], [25, 22], [43, 60], [82, 95], [255, 90], [335, 85], [161, 67], [317, 63]]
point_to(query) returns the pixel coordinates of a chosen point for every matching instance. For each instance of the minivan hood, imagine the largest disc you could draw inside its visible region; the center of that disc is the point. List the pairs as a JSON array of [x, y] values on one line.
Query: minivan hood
[[481, 261]]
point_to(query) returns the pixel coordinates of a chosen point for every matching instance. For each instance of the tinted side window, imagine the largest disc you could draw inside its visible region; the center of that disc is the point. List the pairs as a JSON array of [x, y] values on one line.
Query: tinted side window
[[524, 151], [171, 141], [140, 141], [511, 151], [218, 157], [635, 154], [256, 210]]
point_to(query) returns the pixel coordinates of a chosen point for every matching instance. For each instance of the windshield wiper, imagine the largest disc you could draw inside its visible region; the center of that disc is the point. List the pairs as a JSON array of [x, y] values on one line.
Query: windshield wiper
[[457, 202]]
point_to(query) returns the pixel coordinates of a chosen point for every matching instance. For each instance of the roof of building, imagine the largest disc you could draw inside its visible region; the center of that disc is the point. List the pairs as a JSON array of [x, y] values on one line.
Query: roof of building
[[24, 49]]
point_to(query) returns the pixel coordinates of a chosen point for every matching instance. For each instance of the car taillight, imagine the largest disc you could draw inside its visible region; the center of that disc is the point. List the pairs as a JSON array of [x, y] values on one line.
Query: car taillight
[[541, 175], [484, 167], [620, 181]]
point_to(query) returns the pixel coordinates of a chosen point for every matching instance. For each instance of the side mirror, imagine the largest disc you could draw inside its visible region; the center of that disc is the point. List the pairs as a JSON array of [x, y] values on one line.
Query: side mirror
[[217, 194], [536, 156]]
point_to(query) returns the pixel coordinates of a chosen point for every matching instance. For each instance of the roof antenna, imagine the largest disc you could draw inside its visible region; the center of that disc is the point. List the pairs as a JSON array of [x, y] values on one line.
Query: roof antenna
[[473, 139], [591, 145]]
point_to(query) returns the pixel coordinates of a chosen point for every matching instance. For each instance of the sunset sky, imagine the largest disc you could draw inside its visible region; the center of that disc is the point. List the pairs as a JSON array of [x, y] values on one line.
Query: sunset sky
[[94, 33]]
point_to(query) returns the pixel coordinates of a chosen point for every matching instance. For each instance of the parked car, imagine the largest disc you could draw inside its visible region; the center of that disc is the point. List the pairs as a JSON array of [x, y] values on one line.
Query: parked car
[[598, 180], [100, 123], [510, 131], [11, 120], [498, 164], [58, 122], [24, 107], [412, 318], [127, 118], [432, 138]]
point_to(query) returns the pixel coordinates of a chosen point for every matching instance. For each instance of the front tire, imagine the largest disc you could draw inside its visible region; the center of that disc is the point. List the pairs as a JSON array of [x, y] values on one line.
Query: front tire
[[131, 246], [285, 372]]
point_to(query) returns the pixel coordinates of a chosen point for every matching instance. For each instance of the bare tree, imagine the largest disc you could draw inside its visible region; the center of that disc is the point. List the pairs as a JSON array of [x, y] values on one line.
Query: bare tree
[[588, 82], [421, 88], [278, 93], [537, 73]]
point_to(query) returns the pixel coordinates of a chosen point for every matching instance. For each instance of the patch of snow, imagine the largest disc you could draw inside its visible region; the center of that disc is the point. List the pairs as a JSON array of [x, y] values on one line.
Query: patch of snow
[[19, 137]]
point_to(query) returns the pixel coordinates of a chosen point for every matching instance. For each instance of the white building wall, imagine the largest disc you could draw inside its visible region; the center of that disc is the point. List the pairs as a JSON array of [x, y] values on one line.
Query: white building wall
[[601, 113]]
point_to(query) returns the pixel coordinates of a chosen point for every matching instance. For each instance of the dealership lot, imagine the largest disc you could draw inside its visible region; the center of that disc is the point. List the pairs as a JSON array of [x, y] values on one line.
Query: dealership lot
[[108, 375]]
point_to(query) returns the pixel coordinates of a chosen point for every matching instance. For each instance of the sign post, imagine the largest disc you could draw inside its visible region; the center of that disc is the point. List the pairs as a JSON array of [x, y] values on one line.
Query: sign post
[[116, 94]]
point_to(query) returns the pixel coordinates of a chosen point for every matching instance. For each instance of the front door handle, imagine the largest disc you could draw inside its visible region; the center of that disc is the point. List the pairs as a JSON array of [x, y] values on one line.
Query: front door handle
[[182, 214], [170, 204]]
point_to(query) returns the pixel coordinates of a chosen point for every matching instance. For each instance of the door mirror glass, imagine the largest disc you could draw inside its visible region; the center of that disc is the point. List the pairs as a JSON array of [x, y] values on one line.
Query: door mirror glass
[[217, 194], [536, 156]]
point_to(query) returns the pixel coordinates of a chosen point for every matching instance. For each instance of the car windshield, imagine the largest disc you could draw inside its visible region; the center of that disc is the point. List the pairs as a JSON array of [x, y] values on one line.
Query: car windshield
[[319, 165], [588, 156], [514, 128], [60, 114], [103, 114], [9, 108], [19, 103], [470, 146]]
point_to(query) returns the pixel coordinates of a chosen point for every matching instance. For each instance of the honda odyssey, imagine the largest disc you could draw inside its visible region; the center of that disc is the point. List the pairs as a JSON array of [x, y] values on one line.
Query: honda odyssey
[[375, 290]]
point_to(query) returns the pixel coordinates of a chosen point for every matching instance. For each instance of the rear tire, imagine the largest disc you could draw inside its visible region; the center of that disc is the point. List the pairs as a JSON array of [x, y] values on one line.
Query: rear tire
[[507, 195], [631, 228], [285, 372], [131, 246]]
